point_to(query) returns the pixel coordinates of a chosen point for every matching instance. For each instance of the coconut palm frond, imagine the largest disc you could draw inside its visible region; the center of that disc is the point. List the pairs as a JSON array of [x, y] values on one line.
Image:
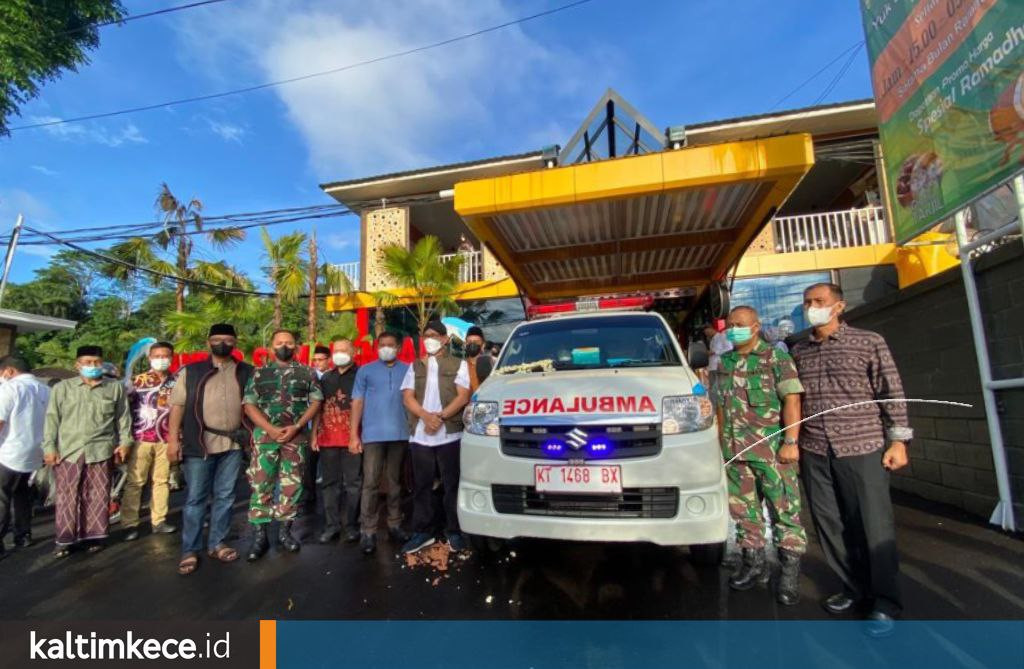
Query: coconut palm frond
[[223, 237]]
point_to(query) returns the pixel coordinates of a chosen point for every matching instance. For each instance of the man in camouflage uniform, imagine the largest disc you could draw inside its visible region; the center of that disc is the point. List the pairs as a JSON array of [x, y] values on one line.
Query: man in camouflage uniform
[[280, 399], [759, 393]]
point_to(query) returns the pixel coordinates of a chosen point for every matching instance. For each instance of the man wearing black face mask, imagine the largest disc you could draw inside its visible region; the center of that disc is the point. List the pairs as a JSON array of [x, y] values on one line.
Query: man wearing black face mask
[[281, 399], [207, 433], [479, 364]]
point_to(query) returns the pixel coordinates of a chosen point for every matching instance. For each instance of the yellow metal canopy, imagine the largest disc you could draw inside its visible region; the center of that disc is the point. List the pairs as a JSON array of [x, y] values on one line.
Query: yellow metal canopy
[[661, 220]]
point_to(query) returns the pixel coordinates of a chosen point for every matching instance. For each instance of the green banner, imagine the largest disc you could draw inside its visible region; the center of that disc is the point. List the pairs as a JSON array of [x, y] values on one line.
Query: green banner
[[948, 77]]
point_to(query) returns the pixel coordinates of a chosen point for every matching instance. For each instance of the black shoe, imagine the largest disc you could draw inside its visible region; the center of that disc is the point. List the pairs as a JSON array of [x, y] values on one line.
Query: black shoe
[[456, 541], [753, 571], [131, 535], [329, 536], [879, 624], [260, 543], [788, 591], [164, 528], [397, 535], [351, 536], [286, 539], [838, 603], [23, 541], [367, 544]]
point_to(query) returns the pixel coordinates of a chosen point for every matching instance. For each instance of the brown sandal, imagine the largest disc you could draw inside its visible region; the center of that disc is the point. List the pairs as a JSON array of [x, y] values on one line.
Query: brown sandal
[[188, 564], [224, 553]]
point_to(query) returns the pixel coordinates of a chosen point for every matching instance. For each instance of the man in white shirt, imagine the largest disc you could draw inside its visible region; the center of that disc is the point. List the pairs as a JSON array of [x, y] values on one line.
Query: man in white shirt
[[23, 401], [435, 391]]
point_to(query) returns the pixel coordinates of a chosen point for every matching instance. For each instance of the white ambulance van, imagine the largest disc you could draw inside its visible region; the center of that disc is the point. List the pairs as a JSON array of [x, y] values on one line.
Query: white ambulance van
[[594, 427]]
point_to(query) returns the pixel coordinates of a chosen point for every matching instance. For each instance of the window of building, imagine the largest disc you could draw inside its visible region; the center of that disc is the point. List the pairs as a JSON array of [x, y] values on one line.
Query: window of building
[[777, 297]]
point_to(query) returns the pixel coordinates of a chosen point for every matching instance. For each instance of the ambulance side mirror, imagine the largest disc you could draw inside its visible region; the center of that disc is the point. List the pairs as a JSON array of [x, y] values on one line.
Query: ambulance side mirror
[[697, 355]]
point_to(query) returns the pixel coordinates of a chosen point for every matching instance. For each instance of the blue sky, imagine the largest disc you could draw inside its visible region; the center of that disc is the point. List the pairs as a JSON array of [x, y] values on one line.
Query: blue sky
[[505, 92]]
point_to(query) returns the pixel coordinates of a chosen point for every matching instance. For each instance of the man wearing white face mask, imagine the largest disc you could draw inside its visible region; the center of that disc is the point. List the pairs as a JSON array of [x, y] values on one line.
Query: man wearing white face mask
[[435, 391], [380, 433], [150, 399], [340, 468], [847, 455]]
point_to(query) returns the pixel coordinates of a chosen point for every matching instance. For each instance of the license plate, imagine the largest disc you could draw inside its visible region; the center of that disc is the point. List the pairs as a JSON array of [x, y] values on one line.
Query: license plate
[[582, 478]]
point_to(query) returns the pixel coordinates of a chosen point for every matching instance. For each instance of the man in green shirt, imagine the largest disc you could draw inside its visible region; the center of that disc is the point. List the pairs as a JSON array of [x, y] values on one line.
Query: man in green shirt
[[88, 425]]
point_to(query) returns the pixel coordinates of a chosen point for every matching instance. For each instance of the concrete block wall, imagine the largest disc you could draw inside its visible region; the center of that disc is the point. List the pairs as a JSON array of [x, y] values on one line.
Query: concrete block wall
[[928, 330]]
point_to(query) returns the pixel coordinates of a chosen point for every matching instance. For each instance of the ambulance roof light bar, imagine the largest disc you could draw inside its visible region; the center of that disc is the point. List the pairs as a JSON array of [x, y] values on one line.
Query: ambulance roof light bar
[[639, 302]]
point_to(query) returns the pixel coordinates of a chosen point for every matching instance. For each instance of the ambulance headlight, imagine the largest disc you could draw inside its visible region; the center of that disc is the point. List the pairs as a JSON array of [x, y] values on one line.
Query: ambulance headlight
[[481, 418], [686, 413]]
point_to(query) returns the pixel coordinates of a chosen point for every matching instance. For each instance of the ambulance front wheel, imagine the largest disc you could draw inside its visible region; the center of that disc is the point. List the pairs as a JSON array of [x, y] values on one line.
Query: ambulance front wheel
[[486, 546], [707, 555]]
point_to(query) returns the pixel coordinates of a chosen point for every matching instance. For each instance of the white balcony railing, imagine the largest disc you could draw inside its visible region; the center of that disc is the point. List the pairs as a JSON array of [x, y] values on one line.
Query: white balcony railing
[[831, 230], [351, 270], [472, 269]]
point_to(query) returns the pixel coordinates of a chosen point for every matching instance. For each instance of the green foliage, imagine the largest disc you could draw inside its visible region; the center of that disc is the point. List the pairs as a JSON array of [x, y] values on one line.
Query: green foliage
[[431, 281], [41, 38]]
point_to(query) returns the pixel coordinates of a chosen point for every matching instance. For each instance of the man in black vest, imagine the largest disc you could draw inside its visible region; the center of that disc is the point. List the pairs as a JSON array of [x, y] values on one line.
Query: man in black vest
[[435, 391], [207, 432]]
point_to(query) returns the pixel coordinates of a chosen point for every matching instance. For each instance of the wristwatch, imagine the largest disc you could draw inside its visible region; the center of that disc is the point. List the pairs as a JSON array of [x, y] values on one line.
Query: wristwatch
[[789, 441]]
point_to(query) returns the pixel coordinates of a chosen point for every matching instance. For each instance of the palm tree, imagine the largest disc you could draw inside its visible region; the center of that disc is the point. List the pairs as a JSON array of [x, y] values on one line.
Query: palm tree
[[430, 281], [178, 218], [248, 315], [324, 279], [286, 268]]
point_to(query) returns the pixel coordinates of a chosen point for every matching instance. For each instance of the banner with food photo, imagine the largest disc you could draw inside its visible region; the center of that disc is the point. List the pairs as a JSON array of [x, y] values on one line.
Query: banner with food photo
[[948, 77]]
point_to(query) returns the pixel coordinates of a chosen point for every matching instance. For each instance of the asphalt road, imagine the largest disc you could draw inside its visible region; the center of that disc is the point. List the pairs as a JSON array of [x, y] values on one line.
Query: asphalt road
[[953, 567]]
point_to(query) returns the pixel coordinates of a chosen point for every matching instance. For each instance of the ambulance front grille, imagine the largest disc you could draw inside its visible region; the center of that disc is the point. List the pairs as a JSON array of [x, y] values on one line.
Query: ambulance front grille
[[624, 441], [630, 503]]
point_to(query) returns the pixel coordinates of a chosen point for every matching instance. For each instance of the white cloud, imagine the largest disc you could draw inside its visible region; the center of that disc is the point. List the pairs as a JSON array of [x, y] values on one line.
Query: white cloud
[[37, 214], [43, 169], [340, 242], [450, 103], [91, 132], [229, 132]]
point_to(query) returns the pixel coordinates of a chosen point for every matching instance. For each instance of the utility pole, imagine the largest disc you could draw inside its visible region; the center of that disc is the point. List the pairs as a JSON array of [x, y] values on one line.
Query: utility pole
[[15, 234], [312, 294]]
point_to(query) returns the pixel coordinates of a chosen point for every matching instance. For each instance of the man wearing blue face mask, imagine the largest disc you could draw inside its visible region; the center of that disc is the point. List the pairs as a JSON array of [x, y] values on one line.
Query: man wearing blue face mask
[[759, 393], [88, 424]]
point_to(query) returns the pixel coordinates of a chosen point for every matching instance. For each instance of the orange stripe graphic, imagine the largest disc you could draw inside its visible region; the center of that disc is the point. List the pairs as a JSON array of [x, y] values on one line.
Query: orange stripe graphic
[[932, 32], [268, 644]]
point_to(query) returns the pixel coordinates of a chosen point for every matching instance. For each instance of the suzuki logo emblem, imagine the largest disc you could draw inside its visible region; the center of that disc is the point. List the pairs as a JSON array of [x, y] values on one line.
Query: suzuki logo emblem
[[577, 438]]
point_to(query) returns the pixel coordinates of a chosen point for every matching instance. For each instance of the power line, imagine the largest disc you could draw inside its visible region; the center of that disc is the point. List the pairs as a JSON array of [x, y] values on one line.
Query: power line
[[839, 75], [280, 82], [136, 17], [148, 232], [816, 74], [242, 220], [198, 283]]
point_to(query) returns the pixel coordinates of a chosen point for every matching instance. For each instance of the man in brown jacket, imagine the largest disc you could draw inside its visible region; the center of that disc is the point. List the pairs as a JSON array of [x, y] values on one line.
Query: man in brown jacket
[[435, 390]]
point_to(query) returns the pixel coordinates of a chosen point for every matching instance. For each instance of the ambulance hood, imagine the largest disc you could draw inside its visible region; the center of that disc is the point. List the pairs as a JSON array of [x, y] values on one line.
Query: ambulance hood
[[579, 396]]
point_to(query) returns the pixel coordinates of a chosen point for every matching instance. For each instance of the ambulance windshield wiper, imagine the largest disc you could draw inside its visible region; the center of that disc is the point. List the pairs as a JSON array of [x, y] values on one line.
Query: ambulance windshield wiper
[[648, 362]]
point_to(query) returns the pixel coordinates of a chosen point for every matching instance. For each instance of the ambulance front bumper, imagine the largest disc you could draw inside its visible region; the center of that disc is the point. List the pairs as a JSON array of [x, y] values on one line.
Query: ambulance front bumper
[[497, 497]]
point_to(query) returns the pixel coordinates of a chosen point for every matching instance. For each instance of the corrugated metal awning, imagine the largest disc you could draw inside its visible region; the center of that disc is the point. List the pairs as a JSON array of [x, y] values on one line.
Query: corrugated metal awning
[[663, 220]]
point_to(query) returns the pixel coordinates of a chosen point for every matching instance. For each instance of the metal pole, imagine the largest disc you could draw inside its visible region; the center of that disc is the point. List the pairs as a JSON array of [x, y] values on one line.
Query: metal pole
[[1003, 513], [1018, 190], [15, 234]]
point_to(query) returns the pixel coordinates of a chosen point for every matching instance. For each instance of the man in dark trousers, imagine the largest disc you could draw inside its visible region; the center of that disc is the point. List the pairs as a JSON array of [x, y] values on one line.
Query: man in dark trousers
[[342, 470], [435, 391], [846, 455], [207, 433]]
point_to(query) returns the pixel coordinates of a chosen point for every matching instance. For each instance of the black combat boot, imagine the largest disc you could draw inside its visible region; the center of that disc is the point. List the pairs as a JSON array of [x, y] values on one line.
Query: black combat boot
[[284, 536], [259, 544], [753, 571], [788, 592]]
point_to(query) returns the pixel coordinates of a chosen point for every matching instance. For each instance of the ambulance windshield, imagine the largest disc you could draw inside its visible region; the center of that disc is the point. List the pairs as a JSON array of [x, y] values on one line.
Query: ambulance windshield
[[600, 342]]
